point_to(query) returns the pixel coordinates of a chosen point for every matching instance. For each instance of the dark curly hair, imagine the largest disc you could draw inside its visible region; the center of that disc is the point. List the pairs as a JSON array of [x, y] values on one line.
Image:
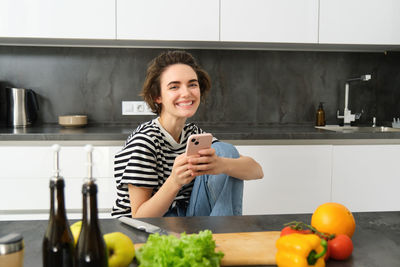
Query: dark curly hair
[[152, 87]]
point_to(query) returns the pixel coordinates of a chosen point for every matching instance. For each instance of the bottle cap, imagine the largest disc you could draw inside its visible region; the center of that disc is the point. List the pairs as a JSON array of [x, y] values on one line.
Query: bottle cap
[[11, 243], [89, 163], [56, 150]]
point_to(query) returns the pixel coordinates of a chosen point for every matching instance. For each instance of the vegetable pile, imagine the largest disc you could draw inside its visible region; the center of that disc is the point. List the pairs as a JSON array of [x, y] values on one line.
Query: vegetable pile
[[332, 224], [188, 250]]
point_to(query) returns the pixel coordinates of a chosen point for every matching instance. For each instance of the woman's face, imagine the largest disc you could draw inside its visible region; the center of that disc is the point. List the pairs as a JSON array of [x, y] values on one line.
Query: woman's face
[[180, 91]]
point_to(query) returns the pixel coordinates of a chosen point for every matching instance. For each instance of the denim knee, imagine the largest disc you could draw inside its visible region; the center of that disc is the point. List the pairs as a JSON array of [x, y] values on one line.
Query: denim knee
[[225, 150]]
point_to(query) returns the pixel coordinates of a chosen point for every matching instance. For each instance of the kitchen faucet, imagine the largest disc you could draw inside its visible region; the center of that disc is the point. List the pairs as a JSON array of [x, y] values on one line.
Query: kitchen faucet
[[347, 116]]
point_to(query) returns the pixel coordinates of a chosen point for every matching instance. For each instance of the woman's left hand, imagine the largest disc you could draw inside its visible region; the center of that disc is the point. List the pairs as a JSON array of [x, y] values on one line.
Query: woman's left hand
[[206, 163]]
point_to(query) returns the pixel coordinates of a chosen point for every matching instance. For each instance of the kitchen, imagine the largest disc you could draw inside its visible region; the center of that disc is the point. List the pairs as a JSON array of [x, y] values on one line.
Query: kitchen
[[267, 84]]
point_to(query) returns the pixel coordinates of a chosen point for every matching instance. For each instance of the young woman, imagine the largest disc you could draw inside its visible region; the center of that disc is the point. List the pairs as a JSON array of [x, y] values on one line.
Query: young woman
[[154, 176]]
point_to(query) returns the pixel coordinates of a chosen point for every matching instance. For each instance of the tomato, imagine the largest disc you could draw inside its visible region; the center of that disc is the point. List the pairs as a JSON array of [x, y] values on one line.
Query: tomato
[[288, 230], [341, 247], [328, 253]]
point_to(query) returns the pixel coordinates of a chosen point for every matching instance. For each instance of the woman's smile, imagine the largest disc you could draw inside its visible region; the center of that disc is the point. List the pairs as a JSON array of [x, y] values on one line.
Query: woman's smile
[[185, 104]]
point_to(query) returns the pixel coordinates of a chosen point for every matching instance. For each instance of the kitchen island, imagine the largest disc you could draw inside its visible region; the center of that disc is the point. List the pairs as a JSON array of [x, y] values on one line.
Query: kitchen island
[[376, 239]]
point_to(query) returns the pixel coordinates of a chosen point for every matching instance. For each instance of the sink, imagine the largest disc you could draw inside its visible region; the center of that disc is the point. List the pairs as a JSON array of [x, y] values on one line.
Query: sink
[[358, 129]]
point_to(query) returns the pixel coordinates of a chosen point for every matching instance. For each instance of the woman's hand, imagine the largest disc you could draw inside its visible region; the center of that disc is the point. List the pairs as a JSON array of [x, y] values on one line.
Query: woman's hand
[[244, 168], [181, 174], [206, 163]]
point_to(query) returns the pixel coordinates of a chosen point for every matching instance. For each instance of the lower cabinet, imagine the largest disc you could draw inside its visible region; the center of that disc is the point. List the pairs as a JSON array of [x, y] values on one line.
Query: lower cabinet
[[296, 179], [367, 178], [25, 175], [299, 178]]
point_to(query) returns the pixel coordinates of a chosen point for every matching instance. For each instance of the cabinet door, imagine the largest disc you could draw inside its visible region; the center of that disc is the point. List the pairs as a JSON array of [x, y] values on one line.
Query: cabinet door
[[297, 179], [367, 178], [168, 20], [281, 21], [359, 22], [25, 174], [37, 162], [89, 19]]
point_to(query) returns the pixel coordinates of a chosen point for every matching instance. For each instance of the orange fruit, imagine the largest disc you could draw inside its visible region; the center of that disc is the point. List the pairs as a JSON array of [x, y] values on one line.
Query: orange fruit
[[333, 218]]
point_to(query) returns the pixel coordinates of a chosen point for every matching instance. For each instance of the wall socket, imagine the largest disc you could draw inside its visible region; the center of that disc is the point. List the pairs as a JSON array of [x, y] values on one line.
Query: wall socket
[[136, 108]]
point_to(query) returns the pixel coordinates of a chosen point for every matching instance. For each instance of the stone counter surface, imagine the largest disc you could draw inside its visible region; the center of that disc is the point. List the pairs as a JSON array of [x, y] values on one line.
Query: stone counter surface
[[236, 133], [376, 239]]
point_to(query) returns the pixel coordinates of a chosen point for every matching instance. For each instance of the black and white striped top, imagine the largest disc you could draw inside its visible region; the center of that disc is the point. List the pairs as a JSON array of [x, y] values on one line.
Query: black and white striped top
[[146, 160]]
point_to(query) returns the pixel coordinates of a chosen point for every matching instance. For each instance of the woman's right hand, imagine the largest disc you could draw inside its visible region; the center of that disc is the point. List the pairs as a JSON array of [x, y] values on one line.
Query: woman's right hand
[[181, 174]]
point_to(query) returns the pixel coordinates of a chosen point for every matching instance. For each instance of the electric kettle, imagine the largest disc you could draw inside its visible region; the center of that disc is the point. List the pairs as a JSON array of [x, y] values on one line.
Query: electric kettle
[[22, 107]]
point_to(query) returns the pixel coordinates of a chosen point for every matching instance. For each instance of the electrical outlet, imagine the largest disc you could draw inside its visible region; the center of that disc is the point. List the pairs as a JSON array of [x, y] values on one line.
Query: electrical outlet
[[136, 108]]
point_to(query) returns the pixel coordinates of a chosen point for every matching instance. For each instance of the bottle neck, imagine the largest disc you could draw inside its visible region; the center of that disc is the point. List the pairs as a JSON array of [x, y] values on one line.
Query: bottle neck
[[89, 191], [57, 204]]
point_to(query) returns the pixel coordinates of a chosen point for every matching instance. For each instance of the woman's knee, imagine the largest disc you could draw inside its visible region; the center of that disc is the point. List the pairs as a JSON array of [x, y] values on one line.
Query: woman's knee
[[225, 150]]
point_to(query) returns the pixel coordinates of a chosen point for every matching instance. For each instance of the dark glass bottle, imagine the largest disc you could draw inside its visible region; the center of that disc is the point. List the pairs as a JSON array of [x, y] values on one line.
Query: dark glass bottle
[[320, 118], [58, 243], [91, 249]]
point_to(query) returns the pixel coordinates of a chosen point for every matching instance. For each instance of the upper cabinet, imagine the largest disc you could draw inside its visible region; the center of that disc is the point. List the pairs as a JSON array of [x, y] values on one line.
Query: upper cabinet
[[172, 20], [281, 21], [243, 24], [360, 22], [89, 19]]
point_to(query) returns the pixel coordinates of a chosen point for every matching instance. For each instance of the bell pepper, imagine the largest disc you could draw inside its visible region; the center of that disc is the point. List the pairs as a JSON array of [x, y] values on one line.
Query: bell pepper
[[300, 250]]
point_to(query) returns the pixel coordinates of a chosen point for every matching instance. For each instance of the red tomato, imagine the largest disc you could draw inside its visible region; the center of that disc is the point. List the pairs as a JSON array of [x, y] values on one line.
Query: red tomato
[[288, 230], [328, 253], [341, 247]]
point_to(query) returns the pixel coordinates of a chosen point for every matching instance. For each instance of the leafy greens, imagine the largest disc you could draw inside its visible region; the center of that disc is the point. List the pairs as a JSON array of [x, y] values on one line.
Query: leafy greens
[[195, 250]]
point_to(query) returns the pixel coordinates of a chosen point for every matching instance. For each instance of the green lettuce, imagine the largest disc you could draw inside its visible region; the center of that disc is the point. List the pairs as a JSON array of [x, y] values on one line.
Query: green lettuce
[[195, 250]]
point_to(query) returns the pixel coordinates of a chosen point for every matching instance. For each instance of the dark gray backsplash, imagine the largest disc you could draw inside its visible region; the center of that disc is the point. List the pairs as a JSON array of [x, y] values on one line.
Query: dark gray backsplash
[[256, 87]]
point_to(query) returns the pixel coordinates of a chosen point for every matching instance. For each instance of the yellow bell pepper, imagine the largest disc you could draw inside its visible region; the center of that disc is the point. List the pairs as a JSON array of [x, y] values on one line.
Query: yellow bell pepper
[[300, 250]]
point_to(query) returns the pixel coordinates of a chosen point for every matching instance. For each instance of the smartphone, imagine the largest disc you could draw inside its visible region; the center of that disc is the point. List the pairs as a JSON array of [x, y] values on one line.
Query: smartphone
[[198, 142]]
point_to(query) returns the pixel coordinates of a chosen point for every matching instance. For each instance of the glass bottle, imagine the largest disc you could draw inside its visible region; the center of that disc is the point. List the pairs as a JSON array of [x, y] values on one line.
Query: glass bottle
[[91, 249], [58, 242], [320, 118]]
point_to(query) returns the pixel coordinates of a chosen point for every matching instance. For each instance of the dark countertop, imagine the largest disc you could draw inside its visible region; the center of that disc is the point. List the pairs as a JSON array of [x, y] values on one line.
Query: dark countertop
[[109, 132], [376, 239]]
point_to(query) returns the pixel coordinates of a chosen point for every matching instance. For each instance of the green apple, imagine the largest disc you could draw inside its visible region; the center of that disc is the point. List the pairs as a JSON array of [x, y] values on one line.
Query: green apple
[[76, 230], [120, 249]]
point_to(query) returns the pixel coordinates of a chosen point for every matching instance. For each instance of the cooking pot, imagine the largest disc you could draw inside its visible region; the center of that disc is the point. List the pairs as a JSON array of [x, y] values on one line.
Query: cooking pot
[[22, 107]]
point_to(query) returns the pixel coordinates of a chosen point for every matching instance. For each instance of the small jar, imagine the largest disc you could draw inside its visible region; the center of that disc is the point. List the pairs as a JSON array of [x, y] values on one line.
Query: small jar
[[12, 250]]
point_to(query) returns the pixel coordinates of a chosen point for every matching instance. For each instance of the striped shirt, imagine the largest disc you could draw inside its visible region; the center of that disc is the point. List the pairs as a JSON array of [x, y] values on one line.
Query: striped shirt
[[146, 160]]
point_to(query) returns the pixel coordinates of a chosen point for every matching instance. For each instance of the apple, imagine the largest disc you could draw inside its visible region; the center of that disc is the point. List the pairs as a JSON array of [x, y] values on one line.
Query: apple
[[76, 230], [120, 249]]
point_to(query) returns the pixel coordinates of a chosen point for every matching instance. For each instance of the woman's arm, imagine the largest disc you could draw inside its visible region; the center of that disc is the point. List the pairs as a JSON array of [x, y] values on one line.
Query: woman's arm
[[145, 205], [244, 168]]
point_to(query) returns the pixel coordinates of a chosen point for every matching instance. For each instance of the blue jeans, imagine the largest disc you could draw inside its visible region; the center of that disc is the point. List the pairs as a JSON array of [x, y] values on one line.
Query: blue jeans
[[214, 195]]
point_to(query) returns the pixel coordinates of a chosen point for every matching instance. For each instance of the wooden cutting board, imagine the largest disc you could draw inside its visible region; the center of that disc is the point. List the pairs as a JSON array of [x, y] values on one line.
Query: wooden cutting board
[[246, 248]]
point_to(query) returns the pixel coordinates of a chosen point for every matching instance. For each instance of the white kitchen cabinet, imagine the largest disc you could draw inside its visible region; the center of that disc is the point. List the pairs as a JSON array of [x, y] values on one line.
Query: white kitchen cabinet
[[37, 162], [359, 22], [89, 19], [278, 21], [188, 20], [296, 179], [26, 171], [367, 178]]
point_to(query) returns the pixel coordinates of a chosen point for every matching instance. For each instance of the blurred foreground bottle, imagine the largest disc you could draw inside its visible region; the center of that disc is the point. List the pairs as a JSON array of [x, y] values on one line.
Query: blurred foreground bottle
[[58, 243], [91, 249]]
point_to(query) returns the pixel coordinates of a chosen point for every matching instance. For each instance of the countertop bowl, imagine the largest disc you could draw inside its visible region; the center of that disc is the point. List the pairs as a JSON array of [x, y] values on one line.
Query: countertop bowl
[[72, 120]]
